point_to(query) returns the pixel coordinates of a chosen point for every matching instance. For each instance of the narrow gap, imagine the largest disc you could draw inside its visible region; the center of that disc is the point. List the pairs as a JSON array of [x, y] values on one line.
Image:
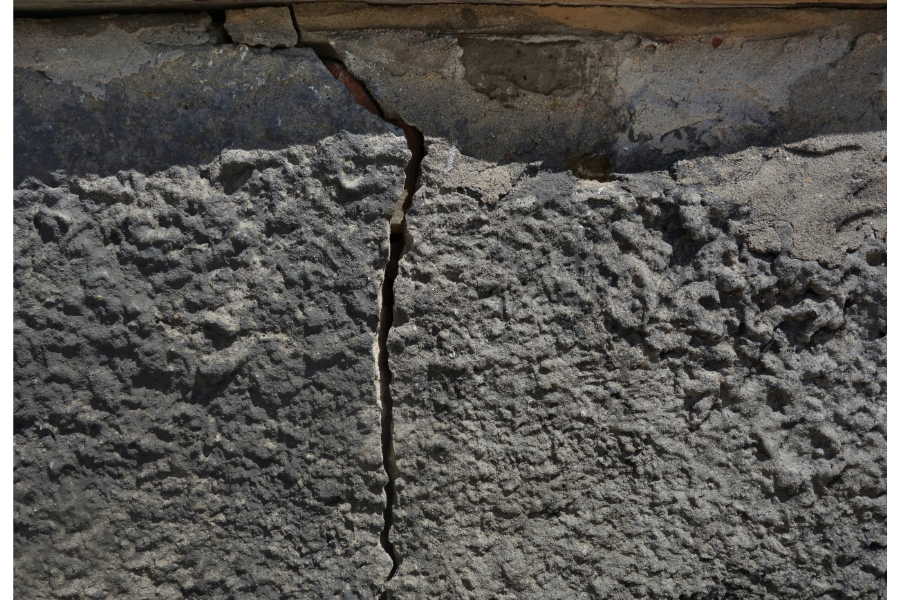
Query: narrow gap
[[124, 10], [414, 139], [387, 403], [415, 142]]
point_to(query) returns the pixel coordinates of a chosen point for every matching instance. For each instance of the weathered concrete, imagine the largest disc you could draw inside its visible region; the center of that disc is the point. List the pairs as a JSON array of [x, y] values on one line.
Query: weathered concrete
[[271, 27], [149, 92], [619, 102], [617, 391], [628, 361], [196, 408]]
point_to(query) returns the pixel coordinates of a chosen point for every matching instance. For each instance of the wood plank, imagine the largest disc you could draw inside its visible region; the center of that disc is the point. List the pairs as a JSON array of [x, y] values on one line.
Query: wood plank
[[37, 6], [748, 23]]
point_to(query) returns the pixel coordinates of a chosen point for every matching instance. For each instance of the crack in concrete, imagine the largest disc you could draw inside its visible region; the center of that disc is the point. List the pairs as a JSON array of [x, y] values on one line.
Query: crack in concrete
[[399, 236], [398, 239], [385, 376]]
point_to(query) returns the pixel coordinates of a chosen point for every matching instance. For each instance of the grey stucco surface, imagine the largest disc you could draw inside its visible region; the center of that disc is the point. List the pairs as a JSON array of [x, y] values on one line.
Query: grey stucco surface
[[196, 409], [616, 391], [671, 384]]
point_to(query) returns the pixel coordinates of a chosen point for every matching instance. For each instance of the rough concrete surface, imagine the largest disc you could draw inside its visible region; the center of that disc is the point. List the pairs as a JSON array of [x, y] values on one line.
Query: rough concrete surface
[[635, 102], [612, 391], [196, 408], [635, 347]]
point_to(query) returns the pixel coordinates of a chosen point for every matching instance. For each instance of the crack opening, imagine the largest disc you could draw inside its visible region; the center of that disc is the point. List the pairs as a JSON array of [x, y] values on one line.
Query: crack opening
[[399, 237], [387, 404], [414, 139]]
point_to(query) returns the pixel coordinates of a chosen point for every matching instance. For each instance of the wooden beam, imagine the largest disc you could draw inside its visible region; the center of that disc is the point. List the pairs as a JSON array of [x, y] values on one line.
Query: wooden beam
[[37, 6], [748, 23]]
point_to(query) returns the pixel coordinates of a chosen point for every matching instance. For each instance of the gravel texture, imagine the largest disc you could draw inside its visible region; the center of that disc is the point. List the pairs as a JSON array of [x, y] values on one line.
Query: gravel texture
[[617, 391]]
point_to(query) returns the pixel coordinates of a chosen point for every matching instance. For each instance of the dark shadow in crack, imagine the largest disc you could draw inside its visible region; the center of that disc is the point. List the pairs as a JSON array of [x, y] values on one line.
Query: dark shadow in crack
[[398, 237]]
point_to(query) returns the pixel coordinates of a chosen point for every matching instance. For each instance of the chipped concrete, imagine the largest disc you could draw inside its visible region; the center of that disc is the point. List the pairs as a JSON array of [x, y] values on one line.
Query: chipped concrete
[[628, 342], [90, 52], [271, 27], [639, 101], [196, 392], [204, 98]]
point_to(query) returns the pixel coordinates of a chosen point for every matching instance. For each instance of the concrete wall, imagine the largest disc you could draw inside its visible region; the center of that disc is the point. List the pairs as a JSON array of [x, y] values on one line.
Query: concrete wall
[[467, 308]]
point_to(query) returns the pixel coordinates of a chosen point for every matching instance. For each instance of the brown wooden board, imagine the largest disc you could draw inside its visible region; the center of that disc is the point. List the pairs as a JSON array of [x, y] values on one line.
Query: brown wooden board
[[749, 23], [193, 5]]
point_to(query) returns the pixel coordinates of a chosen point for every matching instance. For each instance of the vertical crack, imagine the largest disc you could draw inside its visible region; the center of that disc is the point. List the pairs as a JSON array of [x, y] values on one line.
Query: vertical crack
[[398, 238], [387, 402]]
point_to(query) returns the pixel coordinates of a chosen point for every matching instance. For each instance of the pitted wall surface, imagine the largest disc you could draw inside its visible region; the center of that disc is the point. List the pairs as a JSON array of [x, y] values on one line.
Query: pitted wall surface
[[628, 342], [617, 391], [196, 408]]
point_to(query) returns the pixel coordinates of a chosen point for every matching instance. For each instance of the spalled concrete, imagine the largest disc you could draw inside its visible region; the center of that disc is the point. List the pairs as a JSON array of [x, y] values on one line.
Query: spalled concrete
[[630, 102], [197, 408], [101, 95]]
